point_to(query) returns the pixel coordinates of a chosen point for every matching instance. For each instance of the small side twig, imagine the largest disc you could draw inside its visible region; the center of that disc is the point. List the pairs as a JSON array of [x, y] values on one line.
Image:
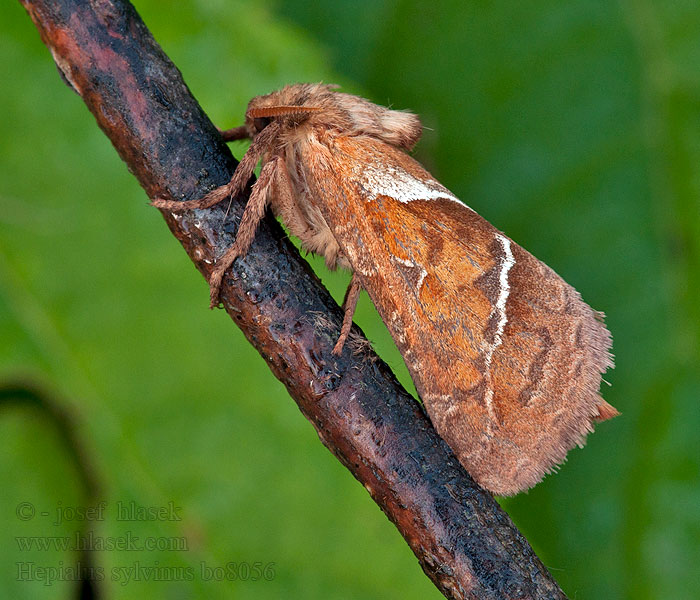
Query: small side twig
[[465, 543], [26, 393]]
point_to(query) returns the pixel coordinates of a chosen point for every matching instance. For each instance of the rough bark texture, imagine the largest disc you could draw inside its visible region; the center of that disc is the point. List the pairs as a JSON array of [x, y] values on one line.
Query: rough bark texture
[[465, 543]]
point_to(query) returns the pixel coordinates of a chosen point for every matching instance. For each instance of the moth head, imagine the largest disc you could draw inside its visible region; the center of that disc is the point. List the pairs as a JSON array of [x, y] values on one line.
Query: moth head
[[306, 105]]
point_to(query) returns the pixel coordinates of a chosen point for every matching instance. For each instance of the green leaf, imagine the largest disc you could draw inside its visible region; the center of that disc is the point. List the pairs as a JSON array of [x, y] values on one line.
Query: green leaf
[[572, 126]]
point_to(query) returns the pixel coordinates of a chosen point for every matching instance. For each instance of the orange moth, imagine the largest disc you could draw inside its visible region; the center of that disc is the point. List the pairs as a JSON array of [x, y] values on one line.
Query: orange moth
[[505, 355]]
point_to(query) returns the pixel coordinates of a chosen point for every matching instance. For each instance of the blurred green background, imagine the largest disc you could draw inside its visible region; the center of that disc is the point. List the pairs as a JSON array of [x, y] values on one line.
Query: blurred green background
[[572, 125]]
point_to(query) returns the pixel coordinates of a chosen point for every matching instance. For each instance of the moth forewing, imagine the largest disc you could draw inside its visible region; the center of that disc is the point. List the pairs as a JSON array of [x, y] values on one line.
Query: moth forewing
[[505, 354]]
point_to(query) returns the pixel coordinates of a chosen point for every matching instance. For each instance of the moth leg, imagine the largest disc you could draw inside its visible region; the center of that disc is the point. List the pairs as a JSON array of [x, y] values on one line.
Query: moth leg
[[349, 305], [237, 133], [241, 176], [289, 210], [252, 215]]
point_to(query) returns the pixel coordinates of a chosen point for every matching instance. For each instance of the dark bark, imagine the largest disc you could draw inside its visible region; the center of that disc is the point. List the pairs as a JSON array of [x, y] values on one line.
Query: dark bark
[[464, 541]]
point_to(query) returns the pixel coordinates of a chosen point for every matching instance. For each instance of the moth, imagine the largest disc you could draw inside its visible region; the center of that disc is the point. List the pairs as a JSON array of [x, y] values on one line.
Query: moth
[[505, 355]]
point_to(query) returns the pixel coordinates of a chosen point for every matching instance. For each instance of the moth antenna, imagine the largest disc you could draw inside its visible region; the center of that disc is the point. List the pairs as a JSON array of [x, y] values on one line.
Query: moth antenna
[[279, 111]]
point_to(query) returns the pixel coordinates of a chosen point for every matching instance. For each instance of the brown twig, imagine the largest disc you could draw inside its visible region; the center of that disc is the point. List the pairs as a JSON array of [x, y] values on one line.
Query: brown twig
[[465, 543]]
